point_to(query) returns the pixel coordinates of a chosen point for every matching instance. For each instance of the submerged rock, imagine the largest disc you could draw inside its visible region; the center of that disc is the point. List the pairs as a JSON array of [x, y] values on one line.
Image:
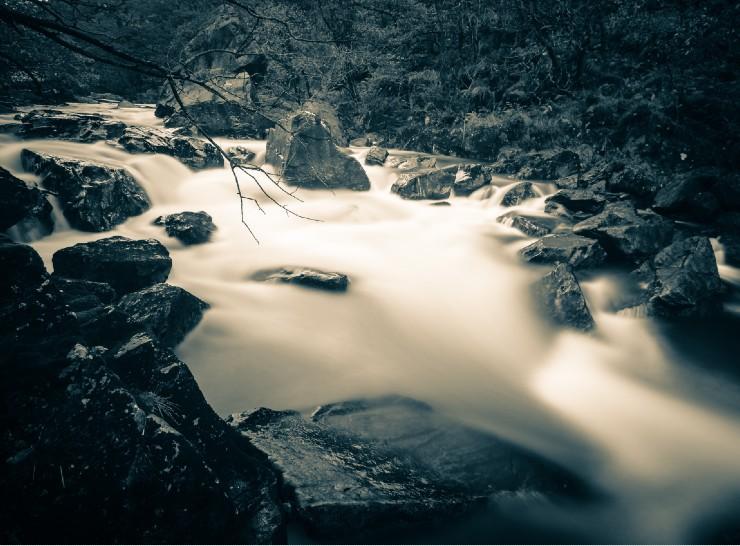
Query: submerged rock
[[517, 194], [23, 206], [576, 251], [125, 264], [344, 487], [193, 152], [534, 226], [470, 178], [93, 197], [626, 233], [559, 296], [305, 276], [240, 154], [376, 156], [190, 228], [304, 155], [430, 184]]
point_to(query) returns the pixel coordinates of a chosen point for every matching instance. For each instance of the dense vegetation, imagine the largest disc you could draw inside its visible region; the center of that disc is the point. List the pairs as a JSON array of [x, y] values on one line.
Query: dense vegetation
[[650, 78]]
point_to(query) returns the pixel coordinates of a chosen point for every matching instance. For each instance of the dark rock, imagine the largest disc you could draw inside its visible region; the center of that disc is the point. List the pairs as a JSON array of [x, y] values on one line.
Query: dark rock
[[93, 197], [167, 312], [731, 245], [576, 251], [440, 204], [305, 156], [328, 115], [429, 184], [689, 195], [470, 178], [85, 298], [560, 297], [626, 233], [577, 203], [193, 152], [24, 205], [68, 126], [376, 156], [190, 228], [639, 181], [304, 276], [240, 154], [21, 268], [727, 190], [342, 486], [548, 165], [534, 226], [518, 193], [681, 281], [125, 264]]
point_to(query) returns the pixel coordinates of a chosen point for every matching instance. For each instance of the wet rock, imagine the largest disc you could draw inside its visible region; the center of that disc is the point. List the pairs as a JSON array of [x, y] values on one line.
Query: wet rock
[[328, 115], [376, 156], [21, 268], [689, 195], [344, 487], [240, 154], [547, 165], [304, 276], [190, 228], [470, 178], [412, 163], [518, 193], [125, 264], [68, 126], [576, 203], [429, 184], [166, 312], [560, 298], [23, 205], [638, 180], [576, 251], [193, 152], [93, 197], [534, 226], [440, 204], [87, 299], [306, 156], [626, 233], [681, 281]]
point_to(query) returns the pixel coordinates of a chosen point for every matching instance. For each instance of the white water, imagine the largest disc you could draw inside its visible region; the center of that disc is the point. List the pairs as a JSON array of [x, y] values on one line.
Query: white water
[[438, 309]]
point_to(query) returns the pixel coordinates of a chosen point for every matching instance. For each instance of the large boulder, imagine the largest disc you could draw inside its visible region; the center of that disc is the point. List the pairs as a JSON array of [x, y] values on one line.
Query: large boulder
[[125, 264], [23, 205], [306, 277], [302, 151], [68, 126], [560, 298], [342, 486], [190, 228], [93, 197], [576, 251], [626, 233], [471, 177], [517, 194], [329, 117], [194, 152], [166, 312], [682, 280], [426, 184]]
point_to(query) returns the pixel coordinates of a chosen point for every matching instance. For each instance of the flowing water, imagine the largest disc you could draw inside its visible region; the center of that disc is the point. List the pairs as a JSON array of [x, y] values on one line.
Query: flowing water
[[439, 310]]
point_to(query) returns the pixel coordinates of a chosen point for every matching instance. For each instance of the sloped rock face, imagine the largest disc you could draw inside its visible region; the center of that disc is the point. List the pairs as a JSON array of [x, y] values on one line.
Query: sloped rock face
[[24, 205], [560, 298], [190, 228], [470, 178], [193, 152], [342, 486], [626, 233], [125, 264], [68, 126], [306, 277], [305, 155], [428, 184], [93, 197], [576, 251], [517, 194], [165, 311]]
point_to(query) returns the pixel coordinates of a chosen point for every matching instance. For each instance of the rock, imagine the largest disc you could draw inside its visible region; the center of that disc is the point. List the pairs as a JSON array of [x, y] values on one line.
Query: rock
[[577, 203], [559, 296], [344, 487], [93, 197], [24, 205], [534, 226], [376, 156], [412, 163], [304, 276], [638, 180], [547, 165], [360, 142], [429, 184], [576, 251], [305, 156], [193, 152], [470, 178], [680, 281], [517, 194], [190, 228], [625, 233], [240, 154], [125, 264], [126, 104], [328, 115], [21, 268], [689, 196], [440, 204], [87, 299], [68, 126], [731, 245], [166, 312]]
